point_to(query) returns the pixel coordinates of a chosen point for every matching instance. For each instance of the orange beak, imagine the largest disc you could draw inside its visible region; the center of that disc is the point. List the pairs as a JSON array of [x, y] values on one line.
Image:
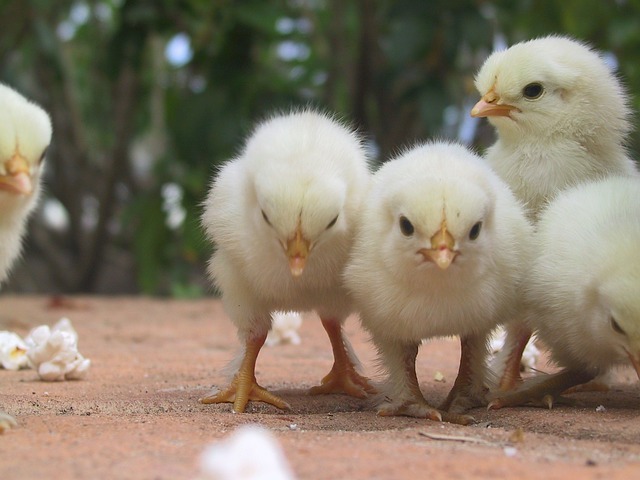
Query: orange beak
[[488, 106], [635, 361], [17, 178], [297, 250], [442, 251]]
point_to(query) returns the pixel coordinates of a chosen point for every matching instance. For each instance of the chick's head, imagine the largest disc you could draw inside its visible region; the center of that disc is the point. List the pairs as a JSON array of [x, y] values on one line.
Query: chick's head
[[551, 85], [299, 214], [25, 134], [616, 311], [308, 173], [435, 219]]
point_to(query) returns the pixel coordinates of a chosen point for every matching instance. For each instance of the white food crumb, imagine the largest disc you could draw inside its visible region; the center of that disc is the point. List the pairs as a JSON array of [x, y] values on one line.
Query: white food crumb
[[13, 351], [510, 451], [53, 352], [284, 328], [439, 377], [600, 408], [249, 453]]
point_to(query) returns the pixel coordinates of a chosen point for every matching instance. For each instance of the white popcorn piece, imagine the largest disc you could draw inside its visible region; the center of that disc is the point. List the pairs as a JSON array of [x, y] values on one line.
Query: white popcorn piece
[[53, 352], [249, 453], [13, 351], [284, 328]]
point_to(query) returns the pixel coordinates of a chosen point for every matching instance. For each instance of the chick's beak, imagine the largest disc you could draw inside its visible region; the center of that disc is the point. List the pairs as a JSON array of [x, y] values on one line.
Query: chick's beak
[[635, 361], [17, 178], [442, 251], [489, 106], [297, 250]]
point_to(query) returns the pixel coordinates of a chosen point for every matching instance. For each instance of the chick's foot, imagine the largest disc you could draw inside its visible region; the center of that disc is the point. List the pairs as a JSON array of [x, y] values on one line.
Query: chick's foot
[[240, 392], [542, 392], [244, 386], [419, 409], [343, 377]]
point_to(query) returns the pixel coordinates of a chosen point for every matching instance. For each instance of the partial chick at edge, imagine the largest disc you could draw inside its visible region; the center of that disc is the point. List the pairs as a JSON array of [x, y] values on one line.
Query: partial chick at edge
[[562, 117], [25, 134], [583, 289], [441, 248], [282, 217]]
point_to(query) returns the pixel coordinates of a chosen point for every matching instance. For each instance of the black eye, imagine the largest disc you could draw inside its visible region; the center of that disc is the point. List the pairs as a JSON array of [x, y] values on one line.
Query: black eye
[[332, 222], [532, 91], [616, 327], [406, 227], [475, 231], [266, 219]]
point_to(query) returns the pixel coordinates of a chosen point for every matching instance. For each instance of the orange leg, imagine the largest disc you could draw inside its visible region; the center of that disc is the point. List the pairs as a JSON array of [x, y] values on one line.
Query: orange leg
[[467, 391], [343, 377], [412, 402], [516, 340], [244, 386], [404, 396], [542, 391]]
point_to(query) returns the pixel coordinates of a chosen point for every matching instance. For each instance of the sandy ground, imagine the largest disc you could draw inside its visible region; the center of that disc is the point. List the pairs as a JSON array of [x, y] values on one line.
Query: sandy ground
[[137, 414]]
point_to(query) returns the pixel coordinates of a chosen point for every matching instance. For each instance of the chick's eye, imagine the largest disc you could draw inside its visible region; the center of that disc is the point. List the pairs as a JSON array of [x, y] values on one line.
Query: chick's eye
[[406, 227], [616, 328], [475, 231], [532, 91], [266, 219], [332, 222]]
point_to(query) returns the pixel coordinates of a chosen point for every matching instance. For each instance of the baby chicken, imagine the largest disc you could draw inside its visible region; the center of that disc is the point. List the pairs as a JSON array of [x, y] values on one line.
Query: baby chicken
[[440, 251], [25, 133], [561, 117], [584, 286], [282, 217]]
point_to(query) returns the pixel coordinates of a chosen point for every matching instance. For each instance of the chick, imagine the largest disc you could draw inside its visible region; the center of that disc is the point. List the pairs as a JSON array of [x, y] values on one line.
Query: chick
[[282, 217], [561, 118], [25, 134], [440, 250], [583, 288]]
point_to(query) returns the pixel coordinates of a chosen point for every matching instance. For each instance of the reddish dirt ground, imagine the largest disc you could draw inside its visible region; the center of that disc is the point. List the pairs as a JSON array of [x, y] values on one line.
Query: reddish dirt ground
[[137, 413]]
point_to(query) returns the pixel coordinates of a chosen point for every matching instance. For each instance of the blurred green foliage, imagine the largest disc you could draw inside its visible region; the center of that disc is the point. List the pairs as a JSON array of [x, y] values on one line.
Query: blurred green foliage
[[138, 137]]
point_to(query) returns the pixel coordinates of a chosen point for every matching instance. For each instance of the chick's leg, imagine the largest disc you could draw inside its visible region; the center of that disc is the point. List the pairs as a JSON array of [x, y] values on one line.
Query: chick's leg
[[509, 360], [343, 377], [402, 395], [542, 391], [6, 422], [244, 386], [469, 390]]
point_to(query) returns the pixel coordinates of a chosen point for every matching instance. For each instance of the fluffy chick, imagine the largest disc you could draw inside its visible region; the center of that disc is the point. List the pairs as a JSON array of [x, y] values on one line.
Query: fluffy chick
[[282, 217], [25, 134], [439, 251], [561, 118], [584, 286]]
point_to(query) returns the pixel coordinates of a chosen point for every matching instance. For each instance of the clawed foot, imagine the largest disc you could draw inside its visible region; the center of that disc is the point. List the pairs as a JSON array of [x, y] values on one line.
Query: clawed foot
[[547, 401], [7, 422], [423, 410], [462, 399], [240, 393], [344, 379], [543, 391]]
